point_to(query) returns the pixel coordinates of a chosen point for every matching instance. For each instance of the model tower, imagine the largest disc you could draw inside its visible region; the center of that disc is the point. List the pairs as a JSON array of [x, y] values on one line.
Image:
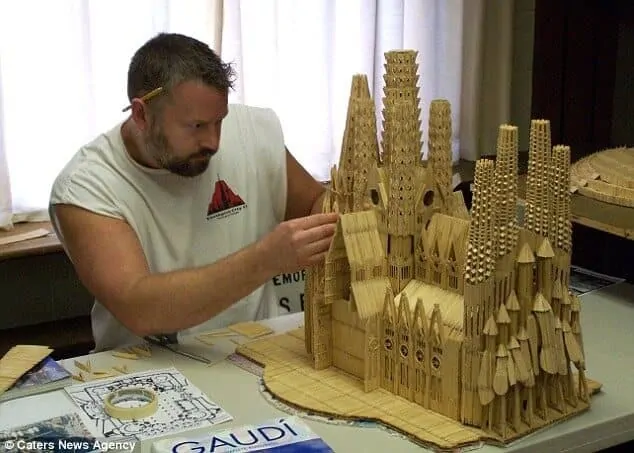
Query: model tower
[[439, 159], [401, 142], [360, 151]]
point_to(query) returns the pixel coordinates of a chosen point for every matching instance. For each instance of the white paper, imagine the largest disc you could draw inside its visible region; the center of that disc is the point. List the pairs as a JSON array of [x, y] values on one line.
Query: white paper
[[181, 406]]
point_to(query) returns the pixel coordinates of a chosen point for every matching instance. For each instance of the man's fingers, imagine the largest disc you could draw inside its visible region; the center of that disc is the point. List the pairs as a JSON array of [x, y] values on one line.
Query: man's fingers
[[316, 234], [315, 220], [318, 247], [317, 259]]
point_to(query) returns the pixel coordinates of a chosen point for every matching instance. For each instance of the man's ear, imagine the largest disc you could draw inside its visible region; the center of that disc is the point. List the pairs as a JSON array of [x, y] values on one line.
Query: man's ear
[[139, 114]]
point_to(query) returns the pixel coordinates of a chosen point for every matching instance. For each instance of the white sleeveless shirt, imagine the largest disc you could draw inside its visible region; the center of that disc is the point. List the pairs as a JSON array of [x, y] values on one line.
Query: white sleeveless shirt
[[186, 222]]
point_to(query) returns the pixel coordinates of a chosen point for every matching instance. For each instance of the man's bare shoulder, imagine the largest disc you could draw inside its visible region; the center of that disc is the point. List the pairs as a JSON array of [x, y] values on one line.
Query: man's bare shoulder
[[90, 177]]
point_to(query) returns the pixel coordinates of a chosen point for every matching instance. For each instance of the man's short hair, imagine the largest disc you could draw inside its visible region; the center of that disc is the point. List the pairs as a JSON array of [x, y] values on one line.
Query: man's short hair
[[169, 59]]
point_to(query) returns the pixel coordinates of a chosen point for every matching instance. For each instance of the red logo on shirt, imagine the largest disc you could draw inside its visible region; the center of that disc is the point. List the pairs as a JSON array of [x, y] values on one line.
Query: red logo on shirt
[[224, 201]]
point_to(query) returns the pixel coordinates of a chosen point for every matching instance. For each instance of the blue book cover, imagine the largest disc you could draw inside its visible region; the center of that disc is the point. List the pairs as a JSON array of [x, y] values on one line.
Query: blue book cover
[[45, 372], [280, 435], [46, 376]]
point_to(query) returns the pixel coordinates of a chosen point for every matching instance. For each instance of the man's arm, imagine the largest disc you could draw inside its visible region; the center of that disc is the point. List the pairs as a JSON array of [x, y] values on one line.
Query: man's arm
[[305, 195], [115, 271], [113, 268], [318, 205]]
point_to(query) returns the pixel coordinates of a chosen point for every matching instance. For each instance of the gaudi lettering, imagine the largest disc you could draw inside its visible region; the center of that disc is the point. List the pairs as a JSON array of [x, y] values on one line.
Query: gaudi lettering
[[261, 435]]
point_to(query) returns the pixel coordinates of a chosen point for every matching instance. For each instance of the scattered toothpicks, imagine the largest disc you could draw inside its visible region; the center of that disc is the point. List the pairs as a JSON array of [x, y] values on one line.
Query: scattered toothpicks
[[123, 369], [210, 338], [125, 355], [133, 352], [87, 373], [143, 351], [251, 329], [79, 377], [220, 333], [83, 366], [205, 339]]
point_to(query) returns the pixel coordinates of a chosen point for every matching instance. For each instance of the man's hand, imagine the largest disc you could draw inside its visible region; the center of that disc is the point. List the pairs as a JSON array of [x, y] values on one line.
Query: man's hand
[[300, 243]]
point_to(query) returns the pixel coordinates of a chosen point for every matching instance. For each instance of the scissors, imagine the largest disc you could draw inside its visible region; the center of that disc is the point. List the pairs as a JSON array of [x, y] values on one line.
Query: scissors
[[168, 342]]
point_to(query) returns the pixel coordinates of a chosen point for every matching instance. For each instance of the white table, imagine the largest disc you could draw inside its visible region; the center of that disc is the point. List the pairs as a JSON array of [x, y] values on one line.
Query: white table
[[608, 331]]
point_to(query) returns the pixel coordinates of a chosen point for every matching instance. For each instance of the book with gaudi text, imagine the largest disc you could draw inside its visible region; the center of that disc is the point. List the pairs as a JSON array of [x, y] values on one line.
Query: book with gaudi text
[[281, 435]]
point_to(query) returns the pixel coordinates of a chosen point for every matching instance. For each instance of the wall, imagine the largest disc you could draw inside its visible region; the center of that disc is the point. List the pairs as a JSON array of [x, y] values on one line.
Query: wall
[[623, 105], [522, 72], [37, 289]]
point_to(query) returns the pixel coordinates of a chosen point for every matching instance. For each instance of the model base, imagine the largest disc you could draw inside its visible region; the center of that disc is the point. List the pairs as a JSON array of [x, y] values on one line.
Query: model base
[[291, 378]]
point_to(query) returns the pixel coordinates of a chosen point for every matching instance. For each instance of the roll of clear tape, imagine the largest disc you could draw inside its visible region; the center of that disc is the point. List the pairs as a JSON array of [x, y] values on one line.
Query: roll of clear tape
[[131, 403]]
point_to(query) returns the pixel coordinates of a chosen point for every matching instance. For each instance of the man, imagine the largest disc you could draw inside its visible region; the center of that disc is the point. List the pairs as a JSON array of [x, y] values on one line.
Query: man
[[173, 226]]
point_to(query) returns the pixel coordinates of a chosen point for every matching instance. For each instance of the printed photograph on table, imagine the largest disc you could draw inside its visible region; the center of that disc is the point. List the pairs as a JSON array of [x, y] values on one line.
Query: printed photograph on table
[[49, 436], [582, 281], [46, 376]]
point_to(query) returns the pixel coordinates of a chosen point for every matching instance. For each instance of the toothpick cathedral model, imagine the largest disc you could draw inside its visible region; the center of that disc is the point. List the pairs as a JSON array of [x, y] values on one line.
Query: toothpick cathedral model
[[451, 327]]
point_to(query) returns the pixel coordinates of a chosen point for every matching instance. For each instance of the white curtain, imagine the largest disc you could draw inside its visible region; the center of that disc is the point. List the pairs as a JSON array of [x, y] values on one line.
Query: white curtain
[[63, 68], [300, 58]]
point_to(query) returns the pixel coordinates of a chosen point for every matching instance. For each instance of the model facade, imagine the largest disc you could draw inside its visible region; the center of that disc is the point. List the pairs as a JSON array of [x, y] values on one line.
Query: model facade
[[466, 314]]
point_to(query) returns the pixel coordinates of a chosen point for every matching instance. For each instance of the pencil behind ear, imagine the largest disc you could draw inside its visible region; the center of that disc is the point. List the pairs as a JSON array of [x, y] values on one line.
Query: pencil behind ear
[[145, 98]]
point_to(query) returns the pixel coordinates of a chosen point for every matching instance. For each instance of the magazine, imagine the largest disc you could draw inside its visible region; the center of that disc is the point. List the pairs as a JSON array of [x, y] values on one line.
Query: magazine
[[583, 281], [281, 435], [54, 435]]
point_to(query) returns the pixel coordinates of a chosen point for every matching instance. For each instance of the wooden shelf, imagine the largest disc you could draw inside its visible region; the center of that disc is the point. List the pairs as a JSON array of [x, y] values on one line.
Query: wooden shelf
[[38, 246]]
